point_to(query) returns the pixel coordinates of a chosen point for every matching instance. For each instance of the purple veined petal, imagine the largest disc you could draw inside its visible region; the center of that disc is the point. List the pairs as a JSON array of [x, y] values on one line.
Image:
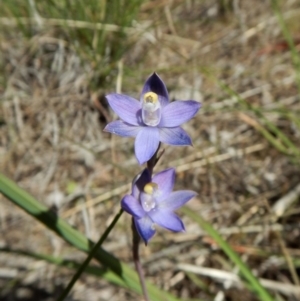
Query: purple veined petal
[[132, 206], [165, 181], [139, 182], [146, 143], [178, 112], [156, 85], [126, 107], [121, 128], [174, 136], [176, 199], [145, 228], [167, 219]]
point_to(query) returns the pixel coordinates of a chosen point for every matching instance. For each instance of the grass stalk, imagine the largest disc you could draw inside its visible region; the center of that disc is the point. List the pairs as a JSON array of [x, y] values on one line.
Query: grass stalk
[[92, 254]]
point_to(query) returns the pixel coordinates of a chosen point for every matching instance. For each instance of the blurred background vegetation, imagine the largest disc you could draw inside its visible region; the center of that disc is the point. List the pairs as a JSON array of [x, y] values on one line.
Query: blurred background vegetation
[[58, 59]]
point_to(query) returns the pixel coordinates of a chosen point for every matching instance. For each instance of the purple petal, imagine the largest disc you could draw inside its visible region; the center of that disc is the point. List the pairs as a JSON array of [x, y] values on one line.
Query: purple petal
[[174, 136], [120, 128], [146, 143], [156, 85], [176, 199], [165, 181], [132, 206], [167, 219], [144, 227], [139, 182], [178, 112], [126, 107]]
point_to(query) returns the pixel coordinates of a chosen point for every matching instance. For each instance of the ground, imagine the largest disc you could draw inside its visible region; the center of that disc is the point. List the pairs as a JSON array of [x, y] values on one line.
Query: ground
[[236, 58]]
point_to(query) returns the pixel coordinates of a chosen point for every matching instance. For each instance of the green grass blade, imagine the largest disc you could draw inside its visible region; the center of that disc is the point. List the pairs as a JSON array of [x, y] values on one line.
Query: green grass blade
[[292, 117], [244, 270], [280, 141], [70, 264], [286, 146], [90, 257], [289, 39], [28, 203]]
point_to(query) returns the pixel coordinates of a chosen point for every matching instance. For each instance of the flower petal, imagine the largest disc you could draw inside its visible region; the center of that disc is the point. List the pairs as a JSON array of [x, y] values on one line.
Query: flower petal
[[126, 107], [156, 85], [178, 112], [139, 182], [167, 219], [144, 227], [146, 143], [165, 181], [174, 136], [176, 199], [121, 128], [132, 206]]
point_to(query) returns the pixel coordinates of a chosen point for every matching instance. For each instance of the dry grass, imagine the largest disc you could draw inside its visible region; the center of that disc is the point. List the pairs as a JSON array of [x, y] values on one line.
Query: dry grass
[[52, 144]]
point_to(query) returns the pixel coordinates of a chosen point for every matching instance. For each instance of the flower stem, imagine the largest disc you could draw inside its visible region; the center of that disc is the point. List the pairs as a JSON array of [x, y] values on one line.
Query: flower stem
[[136, 238], [136, 258], [152, 162]]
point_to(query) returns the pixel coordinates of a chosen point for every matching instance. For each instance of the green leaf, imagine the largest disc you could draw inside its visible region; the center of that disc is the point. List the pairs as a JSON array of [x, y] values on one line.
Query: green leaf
[[126, 275]]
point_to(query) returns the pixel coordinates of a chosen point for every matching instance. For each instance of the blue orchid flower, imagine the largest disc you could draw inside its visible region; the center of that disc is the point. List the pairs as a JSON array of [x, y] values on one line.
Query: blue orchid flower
[[152, 119], [152, 202]]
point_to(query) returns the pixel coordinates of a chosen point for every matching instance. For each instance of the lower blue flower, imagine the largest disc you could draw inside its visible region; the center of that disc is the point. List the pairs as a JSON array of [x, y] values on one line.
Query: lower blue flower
[[152, 202]]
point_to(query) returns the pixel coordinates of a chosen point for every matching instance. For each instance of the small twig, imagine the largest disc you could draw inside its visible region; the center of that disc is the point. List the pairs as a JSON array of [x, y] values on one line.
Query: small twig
[[170, 19], [285, 252], [286, 201], [221, 157], [219, 275], [100, 107], [93, 202]]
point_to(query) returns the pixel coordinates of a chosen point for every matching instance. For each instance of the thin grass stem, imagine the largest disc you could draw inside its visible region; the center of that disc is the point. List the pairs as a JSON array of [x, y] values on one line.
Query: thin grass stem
[[289, 39], [136, 259], [89, 258]]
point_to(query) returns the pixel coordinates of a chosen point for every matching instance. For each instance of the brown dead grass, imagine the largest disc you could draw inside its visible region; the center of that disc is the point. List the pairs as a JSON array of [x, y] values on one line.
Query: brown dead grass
[[52, 144]]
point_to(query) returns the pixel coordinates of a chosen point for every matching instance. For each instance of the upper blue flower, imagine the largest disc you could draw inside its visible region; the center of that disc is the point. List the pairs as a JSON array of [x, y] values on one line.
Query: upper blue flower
[[152, 119], [153, 202]]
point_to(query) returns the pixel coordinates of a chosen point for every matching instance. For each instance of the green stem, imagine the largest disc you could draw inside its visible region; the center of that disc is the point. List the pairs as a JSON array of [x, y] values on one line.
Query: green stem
[[89, 258], [136, 237], [289, 39], [136, 259]]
